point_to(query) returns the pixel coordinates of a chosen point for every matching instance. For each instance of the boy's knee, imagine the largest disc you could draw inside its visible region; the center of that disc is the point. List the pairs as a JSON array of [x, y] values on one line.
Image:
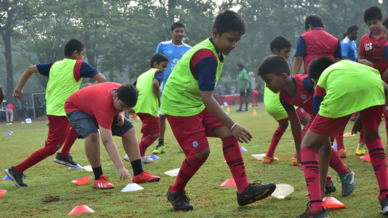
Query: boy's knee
[[156, 135], [204, 154], [284, 125], [93, 137]]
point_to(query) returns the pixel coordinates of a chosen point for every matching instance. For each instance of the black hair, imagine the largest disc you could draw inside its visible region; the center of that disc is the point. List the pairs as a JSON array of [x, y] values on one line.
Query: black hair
[[385, 22], [313, 20], [317, 66], [280, 42], [128, 94], [274, 64], [73, 45], [350, 30], [176, 25], [158, 58], [228, 20], [240, 66], [372, 13]]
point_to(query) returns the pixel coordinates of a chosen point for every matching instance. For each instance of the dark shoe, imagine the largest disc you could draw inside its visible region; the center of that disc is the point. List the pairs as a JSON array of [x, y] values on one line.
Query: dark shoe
[[309, 214], [239, 110], [330, 188], [255, 192], [384, 206], [179, 200], [65, 160], [17, 178], [347, 181]]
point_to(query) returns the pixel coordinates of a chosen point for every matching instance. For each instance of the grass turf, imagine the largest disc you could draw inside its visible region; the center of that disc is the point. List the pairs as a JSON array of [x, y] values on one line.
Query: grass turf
[[48, 179]]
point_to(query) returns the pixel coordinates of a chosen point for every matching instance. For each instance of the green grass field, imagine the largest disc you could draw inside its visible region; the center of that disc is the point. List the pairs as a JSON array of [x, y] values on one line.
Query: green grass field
[[209, 199]]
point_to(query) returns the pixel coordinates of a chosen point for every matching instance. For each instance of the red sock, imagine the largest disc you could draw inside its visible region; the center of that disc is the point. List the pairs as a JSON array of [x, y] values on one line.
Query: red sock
[[35, 158], [233, 157], [328, 179], [189, 167], [311, 173], [337, 164], [379, 164], [386, 121], [145, 142], [361, 140], [340, 141], [275, 140], [73, 135]]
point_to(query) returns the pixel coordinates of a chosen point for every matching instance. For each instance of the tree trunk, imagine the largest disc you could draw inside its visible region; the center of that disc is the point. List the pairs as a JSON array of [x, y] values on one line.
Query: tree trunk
[[6, 34]]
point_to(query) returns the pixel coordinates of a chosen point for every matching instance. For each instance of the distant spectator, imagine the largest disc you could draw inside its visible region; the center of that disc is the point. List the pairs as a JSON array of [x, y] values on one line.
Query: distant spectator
[[9, 113]]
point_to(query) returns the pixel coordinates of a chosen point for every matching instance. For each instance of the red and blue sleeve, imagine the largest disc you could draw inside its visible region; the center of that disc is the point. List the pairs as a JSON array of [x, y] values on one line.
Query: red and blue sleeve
[[307, 85], [386, 50], [286, 106], [300, 47], [44, 69], [203, 66], [320, 93], [83, 70], [159, 75]]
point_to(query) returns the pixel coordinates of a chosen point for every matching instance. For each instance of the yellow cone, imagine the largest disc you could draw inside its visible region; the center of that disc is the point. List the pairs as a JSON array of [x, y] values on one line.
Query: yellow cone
[[227, 110], [138, 118]]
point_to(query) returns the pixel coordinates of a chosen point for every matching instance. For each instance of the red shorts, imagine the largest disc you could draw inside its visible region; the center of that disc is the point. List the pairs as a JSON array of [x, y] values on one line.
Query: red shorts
[[301, 113], [370, 119], [59, 127], [150, 124], [191, 132]]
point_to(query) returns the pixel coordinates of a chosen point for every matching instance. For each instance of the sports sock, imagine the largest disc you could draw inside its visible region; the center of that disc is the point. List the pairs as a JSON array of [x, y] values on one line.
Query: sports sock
[[275, 140], [386, 121], [233, 157], [97, 172], [311, 173], [161, 141], [145, 142], [379, 164], [33, 159], [71, 137], [337, 164], [189, 167], [340, 142], [137, 167]]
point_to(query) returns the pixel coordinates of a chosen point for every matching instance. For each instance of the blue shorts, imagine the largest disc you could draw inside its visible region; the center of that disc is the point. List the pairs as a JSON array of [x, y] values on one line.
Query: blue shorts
[[85, 124]]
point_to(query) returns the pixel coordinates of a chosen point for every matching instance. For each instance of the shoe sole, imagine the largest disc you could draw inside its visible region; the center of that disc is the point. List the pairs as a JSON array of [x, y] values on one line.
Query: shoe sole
[[265, 195], [13, 179], [64, 163], [103, 188], [180, 210], [154, 180], [385, 211]]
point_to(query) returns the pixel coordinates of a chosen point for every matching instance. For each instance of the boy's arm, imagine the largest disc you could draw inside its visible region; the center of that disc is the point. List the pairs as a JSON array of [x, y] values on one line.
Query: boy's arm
[[298, 60], [296, 129], [18, 93], [241, 134], [362, 60], [110, 146], [156, 89], [99, 77], [299, 55]]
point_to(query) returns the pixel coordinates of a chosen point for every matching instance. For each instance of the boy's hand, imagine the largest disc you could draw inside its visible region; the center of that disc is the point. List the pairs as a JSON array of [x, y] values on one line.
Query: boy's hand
[[241, 134], [18, 93], [357, 127], [124, 174], [120, 119], [366, 62], [299, 158], [131, 112]]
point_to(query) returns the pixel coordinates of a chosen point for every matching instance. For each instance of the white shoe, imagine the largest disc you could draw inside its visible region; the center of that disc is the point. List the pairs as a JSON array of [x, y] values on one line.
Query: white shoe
[[126, 158], [146, 159]]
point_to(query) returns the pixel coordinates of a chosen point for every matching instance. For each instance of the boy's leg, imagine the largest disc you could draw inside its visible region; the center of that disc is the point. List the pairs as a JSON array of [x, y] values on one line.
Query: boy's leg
[[150, 130], [64, 157], [283, 124], [371, 118], [7, 115], [386, 125], [59, 126], [11, 113], [131, 147]]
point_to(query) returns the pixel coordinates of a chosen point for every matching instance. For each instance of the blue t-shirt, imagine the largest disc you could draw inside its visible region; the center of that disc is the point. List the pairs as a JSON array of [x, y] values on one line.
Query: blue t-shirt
[[349, 49], [174, 54], [85, 71]]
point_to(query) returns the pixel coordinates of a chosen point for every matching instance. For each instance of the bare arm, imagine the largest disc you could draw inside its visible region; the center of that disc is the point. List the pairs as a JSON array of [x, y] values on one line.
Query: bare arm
[[23, 79], [245, 84], [298, 60], [156, 89], [364, 61], [99, 77], [338, 59], [211, 104], [296, 129]]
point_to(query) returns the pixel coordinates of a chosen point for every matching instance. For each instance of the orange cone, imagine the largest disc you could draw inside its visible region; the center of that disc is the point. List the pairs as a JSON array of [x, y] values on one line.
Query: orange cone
[[82, 181], [80, 209], [348, 134], [228, 182], [366, 158], [2, 192], [134, 117], [254, 113], [332, 203]]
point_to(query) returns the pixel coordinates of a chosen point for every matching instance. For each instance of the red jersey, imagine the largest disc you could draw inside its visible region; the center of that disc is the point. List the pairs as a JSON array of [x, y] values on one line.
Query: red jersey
[[317, 43], [373, 50], [303, 96], [96, 101], [10, 106]]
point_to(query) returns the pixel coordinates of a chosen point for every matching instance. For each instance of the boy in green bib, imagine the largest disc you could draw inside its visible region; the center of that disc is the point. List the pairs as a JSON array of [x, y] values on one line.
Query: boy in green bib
[[194, 114], [342, 89], [148, 103], [65, 77]]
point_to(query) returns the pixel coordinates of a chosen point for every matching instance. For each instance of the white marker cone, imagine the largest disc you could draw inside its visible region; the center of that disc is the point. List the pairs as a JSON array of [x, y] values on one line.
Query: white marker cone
[[132, 187], [282, 191], [173, 172]]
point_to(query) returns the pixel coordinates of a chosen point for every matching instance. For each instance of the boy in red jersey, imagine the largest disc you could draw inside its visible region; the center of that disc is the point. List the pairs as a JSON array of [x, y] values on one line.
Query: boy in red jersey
[[101, 107], [297, 91], [371, 51], [314, 43]]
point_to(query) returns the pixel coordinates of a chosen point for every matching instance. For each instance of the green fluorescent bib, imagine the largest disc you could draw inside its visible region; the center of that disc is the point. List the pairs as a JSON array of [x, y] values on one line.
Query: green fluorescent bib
[[350, 87], [181, 96], [147, 101], [60, 86]]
